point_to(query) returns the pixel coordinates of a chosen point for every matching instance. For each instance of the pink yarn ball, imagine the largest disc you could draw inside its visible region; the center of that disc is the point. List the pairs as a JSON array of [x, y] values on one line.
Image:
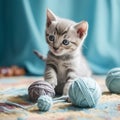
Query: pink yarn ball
[[38, 88]]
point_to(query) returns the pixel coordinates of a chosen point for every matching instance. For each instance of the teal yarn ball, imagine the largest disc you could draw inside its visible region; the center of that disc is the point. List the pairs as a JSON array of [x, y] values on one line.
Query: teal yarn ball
[[113, 80], [84, 92], [44, 102]]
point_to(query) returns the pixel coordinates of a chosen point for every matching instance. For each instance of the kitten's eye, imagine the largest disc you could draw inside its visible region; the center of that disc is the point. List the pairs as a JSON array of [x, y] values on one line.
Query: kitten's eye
[[51, 38], [65, 42]]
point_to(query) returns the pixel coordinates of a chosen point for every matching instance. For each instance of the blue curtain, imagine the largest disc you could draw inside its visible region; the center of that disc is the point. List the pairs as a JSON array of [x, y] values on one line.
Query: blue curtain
[[22, 26]]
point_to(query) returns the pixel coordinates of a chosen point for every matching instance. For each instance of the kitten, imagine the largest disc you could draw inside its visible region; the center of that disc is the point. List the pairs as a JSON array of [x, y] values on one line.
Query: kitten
[[64, 61]]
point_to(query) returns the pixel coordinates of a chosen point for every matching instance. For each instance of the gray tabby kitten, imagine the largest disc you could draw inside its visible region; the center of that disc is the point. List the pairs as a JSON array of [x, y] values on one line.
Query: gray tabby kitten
[[64, 61]]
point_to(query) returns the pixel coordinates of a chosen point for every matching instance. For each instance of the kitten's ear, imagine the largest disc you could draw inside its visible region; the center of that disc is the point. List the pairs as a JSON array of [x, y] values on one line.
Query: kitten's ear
[[50, 17], [81, 29]]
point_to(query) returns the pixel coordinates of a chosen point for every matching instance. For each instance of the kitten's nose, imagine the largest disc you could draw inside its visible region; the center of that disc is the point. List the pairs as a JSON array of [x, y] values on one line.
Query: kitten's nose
[[55, 48]]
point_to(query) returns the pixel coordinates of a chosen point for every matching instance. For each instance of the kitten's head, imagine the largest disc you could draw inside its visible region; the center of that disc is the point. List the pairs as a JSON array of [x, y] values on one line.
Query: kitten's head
[[64, 36]]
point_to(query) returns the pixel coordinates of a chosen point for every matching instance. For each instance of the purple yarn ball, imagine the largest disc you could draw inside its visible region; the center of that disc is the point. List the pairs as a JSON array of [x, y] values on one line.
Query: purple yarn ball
[[38, 88]]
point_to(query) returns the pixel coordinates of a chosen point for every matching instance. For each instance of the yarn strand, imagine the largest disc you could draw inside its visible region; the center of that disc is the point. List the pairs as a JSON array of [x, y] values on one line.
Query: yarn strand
[[15, 104], [8, 111], [54, 101], [60, 98]]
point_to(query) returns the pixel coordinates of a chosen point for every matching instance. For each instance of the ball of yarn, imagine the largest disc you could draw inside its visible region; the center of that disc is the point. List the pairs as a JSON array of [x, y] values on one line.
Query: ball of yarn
[[113, 80], [44, 102], [39, 88], [84, 92]]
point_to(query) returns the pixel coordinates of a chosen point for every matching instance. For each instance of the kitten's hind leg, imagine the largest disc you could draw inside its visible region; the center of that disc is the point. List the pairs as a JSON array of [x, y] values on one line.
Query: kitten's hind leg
[[50, 75]]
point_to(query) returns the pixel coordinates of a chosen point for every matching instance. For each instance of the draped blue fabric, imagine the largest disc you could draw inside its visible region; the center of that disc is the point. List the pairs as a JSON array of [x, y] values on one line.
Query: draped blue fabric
[[22, 27]]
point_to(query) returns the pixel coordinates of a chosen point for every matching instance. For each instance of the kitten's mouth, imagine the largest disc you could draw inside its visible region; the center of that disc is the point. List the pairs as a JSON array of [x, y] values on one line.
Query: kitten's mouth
[[56, 52]]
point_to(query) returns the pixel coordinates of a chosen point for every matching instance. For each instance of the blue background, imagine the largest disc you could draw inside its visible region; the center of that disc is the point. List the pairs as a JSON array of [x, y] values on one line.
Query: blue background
[[22, 27]]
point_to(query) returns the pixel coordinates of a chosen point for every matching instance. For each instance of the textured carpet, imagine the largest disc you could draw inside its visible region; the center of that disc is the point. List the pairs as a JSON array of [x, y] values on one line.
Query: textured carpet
[[14, 89]]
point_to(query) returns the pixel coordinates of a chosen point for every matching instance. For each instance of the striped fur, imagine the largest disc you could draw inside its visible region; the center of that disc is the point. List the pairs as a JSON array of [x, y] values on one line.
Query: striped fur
[[64, 62]]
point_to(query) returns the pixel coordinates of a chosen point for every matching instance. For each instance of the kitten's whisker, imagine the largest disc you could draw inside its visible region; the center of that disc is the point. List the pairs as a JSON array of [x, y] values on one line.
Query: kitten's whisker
[[84, 46]]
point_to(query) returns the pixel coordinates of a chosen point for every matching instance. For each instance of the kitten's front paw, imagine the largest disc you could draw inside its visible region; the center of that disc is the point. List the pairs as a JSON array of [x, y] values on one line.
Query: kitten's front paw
[[53, 85], [65, 91], [51, 82], [66, 88]]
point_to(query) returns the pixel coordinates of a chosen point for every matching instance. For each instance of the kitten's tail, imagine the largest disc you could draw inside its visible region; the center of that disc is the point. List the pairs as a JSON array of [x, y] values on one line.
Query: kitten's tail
[[39, 55]]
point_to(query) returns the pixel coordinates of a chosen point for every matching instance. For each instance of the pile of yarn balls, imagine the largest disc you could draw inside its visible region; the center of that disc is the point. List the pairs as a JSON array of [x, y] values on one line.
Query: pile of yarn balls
[[113, 80], [83, 92]]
